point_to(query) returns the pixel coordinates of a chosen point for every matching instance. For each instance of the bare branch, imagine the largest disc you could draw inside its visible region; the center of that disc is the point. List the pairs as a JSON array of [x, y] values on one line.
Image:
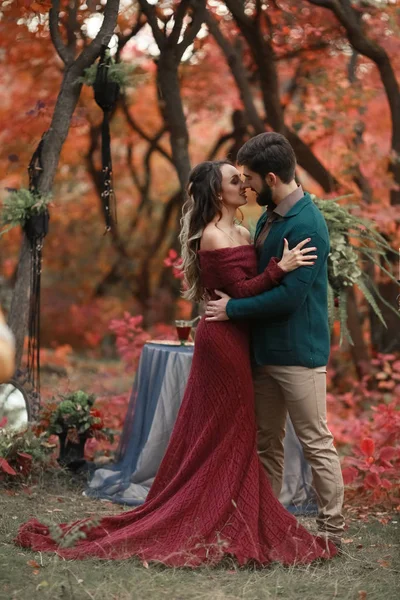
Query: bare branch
[[324, 3], [236, 8], [91, 52], [179, 15], [293, 85], [320, 45], [152, 148], [124, 39], [131, 121], [269, 23], [219, 143], [265, 59], [238, 71], [132, 170], [56, 38], [199, 15], [349, 19], [72, 26], [151, 15]]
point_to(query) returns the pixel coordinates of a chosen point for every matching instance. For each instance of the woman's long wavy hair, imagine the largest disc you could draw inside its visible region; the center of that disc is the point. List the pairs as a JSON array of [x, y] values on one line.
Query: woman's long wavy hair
[[203, 204]]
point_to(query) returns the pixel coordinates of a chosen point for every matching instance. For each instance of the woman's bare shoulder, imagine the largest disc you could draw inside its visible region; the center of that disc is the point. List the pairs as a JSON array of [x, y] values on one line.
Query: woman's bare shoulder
[[213, 238], [244, 232]]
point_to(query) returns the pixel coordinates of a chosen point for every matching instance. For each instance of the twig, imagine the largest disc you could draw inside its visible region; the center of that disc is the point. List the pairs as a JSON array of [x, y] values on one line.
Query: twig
[[62, 50]]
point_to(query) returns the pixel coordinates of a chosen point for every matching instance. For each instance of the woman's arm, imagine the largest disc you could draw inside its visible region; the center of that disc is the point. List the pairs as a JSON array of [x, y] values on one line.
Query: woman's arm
[[244, 287], [229, 273]]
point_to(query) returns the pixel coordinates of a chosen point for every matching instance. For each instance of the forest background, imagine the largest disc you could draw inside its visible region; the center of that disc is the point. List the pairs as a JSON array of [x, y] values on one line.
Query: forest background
[[202, 77]]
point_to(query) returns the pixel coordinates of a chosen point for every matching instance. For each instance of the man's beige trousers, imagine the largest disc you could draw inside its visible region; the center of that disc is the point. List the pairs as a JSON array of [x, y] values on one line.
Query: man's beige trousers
[[301, 392]]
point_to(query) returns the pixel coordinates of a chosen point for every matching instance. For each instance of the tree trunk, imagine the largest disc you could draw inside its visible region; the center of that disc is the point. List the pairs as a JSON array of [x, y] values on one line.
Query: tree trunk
[[19, 311], [239, 73], [264, 58], [348, 17], [53, 141], [386, 339], [172, 110], [359, 351]]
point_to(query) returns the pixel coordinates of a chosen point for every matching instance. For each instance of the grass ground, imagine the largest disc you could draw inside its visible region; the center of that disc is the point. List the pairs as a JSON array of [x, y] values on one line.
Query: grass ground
[[368, 569]]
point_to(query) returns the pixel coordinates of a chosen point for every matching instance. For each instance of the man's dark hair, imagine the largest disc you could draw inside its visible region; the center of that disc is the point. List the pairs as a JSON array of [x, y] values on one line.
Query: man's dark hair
[[269, 153]]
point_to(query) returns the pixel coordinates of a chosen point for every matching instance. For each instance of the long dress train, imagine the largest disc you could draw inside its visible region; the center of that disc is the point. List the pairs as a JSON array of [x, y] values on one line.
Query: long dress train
[[211, 496]]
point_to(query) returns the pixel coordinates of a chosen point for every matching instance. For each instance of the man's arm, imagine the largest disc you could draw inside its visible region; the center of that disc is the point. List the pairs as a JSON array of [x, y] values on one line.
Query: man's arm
[[288, 296]]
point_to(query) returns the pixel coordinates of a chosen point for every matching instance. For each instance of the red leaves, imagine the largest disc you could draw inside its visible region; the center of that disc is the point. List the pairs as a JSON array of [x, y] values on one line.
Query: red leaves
[[174, 261], [367, 446], [365, 419], [24, 463], [371, 467], [385, 483], [350, 474], [98, 415], [372, 480], [130, 338], [5, 467], [387, 453]]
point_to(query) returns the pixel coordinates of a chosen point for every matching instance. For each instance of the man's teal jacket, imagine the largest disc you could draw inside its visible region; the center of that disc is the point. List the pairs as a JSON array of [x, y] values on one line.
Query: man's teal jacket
[[289, 323]]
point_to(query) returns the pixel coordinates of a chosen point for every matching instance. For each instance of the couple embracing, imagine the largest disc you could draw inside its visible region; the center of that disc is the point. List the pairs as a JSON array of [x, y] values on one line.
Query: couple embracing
[[261, 351]]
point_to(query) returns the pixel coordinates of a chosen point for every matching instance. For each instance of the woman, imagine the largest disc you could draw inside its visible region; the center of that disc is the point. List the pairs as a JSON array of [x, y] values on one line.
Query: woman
[[210, 497]]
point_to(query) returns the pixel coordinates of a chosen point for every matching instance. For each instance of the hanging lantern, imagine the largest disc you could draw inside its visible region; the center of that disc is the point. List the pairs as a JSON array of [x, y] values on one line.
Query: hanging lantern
[[106, 94]]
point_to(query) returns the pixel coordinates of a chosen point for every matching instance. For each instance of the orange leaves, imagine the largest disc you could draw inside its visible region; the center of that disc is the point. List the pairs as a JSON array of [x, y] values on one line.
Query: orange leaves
[[34, 565], [385, 563], [39, 6]]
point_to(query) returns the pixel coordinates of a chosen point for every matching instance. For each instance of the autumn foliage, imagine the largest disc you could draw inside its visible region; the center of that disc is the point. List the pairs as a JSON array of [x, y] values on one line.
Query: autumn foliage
[[299, 73], [364, 417]]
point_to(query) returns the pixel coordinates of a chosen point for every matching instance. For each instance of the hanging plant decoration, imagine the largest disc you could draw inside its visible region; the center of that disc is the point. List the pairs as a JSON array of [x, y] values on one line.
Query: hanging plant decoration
[[125, 75], [345, 261], [107, 77], [20, 206]]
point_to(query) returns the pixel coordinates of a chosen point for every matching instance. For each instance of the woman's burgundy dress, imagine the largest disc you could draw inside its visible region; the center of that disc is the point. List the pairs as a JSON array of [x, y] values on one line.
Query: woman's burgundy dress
[[211, 496]]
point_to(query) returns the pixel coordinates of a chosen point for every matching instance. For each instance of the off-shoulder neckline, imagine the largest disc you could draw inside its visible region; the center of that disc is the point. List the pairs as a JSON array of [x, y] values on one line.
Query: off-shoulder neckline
[[226, 248]]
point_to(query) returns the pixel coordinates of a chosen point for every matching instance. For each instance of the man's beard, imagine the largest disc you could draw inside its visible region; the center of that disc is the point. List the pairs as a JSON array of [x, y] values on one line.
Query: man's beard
[[264, 198]]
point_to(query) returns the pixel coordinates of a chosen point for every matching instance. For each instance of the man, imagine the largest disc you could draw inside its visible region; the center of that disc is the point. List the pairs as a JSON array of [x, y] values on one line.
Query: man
[[290, 332], [6, 351]]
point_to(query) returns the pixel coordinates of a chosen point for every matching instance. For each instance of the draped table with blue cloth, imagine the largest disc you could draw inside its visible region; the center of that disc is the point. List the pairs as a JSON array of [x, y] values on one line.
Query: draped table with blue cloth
[[153, 407]]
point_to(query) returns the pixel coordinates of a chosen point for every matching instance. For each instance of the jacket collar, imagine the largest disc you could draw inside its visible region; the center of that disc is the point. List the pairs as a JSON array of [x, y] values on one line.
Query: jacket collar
[[295, 210], [299, 206]]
